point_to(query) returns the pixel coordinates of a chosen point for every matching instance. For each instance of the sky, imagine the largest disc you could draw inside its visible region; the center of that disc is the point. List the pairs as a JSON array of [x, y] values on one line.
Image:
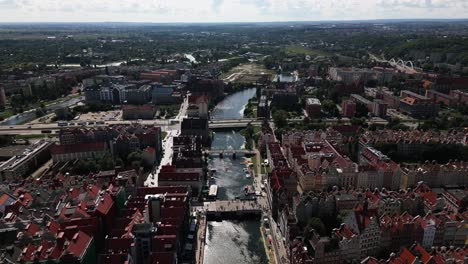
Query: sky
[[162, 11]]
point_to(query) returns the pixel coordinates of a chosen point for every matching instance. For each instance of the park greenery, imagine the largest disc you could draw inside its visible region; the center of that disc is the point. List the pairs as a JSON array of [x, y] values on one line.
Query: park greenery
[[251, 134]]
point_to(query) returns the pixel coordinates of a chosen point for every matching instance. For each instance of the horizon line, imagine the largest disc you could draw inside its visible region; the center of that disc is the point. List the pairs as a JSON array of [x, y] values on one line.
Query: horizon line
[[239, 22]]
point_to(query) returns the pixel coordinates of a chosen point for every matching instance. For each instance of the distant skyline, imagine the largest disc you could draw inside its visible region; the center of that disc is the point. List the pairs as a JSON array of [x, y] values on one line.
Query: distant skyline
[[171, 11]]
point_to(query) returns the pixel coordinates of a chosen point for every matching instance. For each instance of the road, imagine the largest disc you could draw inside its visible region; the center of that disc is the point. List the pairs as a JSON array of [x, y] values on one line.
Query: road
[[165, 124], [168, 142]]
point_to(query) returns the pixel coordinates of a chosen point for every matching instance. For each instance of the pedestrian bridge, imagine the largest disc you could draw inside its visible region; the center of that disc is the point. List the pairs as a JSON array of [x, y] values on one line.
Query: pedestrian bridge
[[230, 151], [242, 123], [228, 209]]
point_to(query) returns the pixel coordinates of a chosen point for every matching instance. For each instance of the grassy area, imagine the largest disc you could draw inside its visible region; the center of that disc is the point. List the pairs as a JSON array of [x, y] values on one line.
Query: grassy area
[[6, 114], [251, 136], [168, 110], [251, 109], [246, 73], [300, 50], [264, 169], [9, 112], [255, 162], [163, 134]]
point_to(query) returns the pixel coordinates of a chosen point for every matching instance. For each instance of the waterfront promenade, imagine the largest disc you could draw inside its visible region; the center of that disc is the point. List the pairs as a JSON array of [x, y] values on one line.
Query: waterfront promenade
[[201, 233]]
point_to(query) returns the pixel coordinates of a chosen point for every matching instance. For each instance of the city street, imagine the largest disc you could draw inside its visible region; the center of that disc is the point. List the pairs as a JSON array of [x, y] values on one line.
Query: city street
[[152, 180]]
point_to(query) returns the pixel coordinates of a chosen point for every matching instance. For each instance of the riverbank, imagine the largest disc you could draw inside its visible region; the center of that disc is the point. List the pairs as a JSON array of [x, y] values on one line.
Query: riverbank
[[267, 246], [201, 236]]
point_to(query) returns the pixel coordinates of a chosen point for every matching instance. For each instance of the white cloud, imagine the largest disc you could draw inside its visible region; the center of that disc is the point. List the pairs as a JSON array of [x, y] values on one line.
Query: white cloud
[[226, 10]]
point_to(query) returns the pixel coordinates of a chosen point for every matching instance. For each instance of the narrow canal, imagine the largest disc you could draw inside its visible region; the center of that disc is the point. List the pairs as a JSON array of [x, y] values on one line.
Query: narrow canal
[[232, 242]]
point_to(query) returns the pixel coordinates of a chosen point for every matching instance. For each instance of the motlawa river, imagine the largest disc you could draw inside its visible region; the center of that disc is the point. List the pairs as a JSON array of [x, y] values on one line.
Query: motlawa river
[[232, 242]]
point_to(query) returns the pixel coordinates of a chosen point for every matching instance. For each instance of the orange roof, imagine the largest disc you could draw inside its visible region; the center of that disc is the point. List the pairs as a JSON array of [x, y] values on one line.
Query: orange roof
[[408, 100], [406, 256]]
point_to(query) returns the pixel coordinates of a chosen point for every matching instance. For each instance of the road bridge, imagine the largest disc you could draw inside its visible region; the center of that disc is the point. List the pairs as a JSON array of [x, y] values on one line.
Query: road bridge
[[230, 151]]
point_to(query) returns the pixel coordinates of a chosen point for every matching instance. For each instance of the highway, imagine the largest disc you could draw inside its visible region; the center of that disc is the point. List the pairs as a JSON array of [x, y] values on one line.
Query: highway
[[167, 125]]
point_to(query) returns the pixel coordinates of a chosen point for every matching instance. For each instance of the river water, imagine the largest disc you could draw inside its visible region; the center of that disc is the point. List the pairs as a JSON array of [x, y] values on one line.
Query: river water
[[232, 242], [230, 176]]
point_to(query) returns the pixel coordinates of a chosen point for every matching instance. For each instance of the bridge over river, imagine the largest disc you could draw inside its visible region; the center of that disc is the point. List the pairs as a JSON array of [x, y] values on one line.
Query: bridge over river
[[230, 151], [227, 209]]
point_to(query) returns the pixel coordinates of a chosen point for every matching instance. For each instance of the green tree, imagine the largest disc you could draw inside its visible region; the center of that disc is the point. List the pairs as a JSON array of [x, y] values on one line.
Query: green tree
[[281, 118], [316, 224], [361, 110], [106, 162], [85, 167], [134, 156], [330, 107], [358, 121]]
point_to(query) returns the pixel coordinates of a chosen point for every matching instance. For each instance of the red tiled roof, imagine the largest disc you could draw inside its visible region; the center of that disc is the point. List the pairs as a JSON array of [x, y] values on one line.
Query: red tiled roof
[[25, 198], [93, 190], [32, 229], [105, 204], [345, 232], [53, 227], [424, 256], [138, 107], [79, 244], [45, 250], [197, 99], [76, 148], [370, 260], [406, 256]]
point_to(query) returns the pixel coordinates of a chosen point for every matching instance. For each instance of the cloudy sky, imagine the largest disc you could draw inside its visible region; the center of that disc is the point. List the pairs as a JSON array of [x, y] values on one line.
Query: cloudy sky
[[225, 10]]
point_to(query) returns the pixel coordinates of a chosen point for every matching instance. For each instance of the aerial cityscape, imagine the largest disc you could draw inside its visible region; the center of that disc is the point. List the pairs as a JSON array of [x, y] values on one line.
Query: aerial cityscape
[[140, 132]]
